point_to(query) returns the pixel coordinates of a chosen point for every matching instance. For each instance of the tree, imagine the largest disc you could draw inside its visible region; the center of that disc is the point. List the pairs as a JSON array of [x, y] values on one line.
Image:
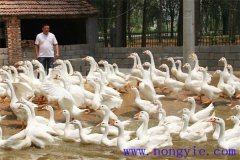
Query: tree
[[144, 24], [180, 25]]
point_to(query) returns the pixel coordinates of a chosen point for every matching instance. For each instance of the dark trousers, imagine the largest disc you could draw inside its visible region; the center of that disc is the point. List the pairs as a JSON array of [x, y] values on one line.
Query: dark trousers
[[47, 62]]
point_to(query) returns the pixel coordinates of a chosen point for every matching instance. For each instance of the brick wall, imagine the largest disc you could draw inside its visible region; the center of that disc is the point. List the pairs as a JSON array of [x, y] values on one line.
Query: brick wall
[[14, 39], [4, 56], [208, 56]]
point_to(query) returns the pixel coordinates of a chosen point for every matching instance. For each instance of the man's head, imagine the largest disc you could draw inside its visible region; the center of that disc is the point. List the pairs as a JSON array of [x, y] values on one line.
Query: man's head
[[45, 28]]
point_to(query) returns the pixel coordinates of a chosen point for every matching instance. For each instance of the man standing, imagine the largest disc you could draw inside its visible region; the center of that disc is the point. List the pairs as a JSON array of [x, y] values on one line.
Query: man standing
[[44, 45]]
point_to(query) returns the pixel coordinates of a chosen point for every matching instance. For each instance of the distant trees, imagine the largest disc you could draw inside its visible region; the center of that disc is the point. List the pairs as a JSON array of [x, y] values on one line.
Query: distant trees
[[125, 17]]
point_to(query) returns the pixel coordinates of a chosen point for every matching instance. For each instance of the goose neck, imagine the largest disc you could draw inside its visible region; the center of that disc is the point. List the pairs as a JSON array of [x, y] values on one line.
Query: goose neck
[[185, 124], [193, 108], [13, 94], [222, 132]]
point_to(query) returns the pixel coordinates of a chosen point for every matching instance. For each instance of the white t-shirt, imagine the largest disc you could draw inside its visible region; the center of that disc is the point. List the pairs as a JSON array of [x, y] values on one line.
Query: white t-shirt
[[45, 43]]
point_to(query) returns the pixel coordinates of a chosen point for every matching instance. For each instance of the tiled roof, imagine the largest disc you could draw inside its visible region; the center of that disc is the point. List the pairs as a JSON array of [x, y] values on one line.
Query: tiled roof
[[46, 7]]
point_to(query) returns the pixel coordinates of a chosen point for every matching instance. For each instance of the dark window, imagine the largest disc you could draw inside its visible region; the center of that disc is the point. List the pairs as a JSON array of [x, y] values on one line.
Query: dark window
[[67, 31], [2, 35]]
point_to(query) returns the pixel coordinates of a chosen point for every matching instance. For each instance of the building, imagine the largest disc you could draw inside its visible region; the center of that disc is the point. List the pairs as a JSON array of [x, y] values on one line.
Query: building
[[72, 21]]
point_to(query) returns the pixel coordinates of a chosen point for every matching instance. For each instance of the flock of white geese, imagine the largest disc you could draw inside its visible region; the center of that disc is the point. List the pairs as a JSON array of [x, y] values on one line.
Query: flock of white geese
[[63, 87]]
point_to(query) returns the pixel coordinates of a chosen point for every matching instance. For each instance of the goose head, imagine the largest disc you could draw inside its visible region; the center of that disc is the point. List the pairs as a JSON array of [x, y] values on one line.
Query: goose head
[[187, 65], [101, 62], [202, 69], [216, 120], [147, 52], [232, 118], [76, 73], [3, 72], [35, 62], [88, 58], [134, 54], [118, 124], [158, 103], [77, 123], [6, 81], [179, 62], [163, 66], [65, 113], [185, 117], [134, 88], [193, 56], [12, 67], [48, 108], [58, 77], [5, 68], [143, 115], [131, 56], [146, 64], [189, 99], [217, 72], [229, 66], [103, 108], [170, 59], [58, 61], [236, 107], [114, 65], [104, 124], [161, 110], [223, 59], [186, 111], [19, 63]]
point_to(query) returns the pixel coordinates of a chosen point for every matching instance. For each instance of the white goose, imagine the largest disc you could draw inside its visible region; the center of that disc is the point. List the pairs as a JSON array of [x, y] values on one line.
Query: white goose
[[211, 92], [174, 127], [155, 70], [190, 84], [117, 72], [174, 68], [135, 71], [158, 136], [226, 88], [232, 82], [200, 115], [233, 143], [123, 144], [181, 76], [94, 138], [157, 81], [225, 72], [64, 99], [172, 84], [105, 140], [237, 107], [144, 105], [191, 135], [202, 124], [72, 134], [195, 72]]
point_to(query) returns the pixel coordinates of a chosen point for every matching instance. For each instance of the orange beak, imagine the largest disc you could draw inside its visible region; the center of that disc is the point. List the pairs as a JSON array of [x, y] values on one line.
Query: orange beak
[[99, 124], [60, 112], [233, 108], [185, 100], [229, 118], [136, 116], [211, 120]]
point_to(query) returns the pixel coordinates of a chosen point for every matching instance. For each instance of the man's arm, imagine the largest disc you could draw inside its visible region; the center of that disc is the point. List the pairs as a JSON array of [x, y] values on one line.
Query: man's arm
[[36, 50], [57, 50]]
